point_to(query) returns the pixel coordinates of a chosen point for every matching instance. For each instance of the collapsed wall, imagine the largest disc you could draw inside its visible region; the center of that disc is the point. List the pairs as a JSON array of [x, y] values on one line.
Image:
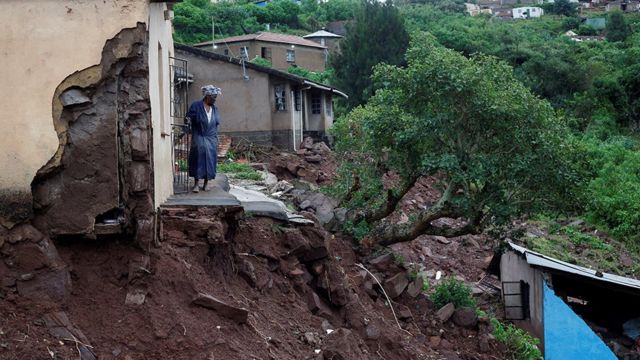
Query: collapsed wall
[[101, 173]]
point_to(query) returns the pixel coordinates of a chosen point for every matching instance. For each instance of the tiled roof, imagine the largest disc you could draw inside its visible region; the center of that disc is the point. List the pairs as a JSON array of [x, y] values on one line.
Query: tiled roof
[[268, 37]]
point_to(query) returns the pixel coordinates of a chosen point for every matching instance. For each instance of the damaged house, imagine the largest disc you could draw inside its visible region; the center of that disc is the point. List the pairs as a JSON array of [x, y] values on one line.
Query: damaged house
[[88, 105], [578, 313], [260, 104]]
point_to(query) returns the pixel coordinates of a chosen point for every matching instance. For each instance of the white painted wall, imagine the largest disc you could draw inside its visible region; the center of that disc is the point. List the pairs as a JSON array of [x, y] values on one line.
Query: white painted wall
[[160, 49]]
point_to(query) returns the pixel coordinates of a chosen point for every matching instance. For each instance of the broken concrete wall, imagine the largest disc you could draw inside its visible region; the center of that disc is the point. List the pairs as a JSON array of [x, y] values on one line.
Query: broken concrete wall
[[42, 43], [102, 169]]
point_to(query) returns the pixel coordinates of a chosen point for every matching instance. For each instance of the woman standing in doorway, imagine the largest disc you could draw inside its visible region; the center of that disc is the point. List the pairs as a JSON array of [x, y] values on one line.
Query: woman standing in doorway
[[204, 119]]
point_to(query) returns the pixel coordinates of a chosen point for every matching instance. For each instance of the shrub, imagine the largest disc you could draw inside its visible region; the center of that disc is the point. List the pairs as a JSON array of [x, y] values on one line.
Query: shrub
[[521, 346], [240, 171], [452, 291]]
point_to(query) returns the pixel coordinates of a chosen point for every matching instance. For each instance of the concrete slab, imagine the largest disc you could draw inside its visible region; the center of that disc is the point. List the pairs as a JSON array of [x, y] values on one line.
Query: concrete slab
[[217, 196]]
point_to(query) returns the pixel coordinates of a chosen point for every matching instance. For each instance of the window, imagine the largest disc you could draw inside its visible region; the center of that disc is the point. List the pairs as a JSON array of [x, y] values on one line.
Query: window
[[265, 52], [291, 56], [316, 107], [296, 99], [244, 52], [226, 52], [281, 103], [328, 105]]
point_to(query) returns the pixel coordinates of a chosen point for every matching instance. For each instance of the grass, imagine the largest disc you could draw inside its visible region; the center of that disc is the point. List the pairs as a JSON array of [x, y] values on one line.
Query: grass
[[240, 171]]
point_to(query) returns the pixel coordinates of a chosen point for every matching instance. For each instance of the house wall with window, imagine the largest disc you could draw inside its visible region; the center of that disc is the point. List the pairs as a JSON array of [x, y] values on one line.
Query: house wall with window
[[319, 112], [306, 57]]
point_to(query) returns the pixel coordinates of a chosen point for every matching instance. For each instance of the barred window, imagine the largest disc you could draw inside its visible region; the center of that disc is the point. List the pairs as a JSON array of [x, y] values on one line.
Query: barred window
[[316, 106], [291, 56], [280, 98]]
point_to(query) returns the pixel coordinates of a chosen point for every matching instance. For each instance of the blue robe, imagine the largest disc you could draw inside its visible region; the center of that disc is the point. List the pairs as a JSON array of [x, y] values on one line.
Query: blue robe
[[203, 154]]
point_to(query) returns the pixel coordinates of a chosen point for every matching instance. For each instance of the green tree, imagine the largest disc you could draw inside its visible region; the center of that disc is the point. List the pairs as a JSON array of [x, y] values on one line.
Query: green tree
[[497, 148], [617, 28], [562, 7], [378, 35]]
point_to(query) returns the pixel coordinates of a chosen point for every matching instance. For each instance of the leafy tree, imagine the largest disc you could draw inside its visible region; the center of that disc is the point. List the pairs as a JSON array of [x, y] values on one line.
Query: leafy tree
[[497, 148], [617, 28], [587, 30], [562, 7], [378, 35]]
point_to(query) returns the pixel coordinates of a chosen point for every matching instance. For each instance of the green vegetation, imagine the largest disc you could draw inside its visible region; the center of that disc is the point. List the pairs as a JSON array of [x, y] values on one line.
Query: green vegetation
[[521, 345], [319, 77], [261, 61], [454, 291], [239, 171], [377, 36]]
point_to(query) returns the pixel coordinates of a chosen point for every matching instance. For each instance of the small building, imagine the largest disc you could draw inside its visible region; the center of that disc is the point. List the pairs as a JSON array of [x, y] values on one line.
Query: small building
[[623, 5], [260, 104], [519, 2], [475, 10], [598, 23], [325, 38], [527, 12], [578, 313], [282, 50]]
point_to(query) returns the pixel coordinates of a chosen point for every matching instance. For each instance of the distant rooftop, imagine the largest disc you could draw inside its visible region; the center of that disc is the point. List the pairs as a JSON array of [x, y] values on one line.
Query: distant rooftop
[[322, 34], [268, 37]]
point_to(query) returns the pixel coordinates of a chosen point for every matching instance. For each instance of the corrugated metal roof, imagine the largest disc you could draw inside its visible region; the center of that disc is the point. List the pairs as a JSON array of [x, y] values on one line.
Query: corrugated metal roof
[[543, 261], [322, 34], [268, 37]]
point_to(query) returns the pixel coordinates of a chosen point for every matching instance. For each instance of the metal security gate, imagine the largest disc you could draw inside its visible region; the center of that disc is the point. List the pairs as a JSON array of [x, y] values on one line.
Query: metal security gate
[[516, 300], [180, 134]]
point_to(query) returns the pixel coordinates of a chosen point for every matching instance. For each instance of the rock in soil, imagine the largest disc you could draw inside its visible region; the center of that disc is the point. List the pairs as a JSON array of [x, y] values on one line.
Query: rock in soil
[[446, 312], [236, 314]]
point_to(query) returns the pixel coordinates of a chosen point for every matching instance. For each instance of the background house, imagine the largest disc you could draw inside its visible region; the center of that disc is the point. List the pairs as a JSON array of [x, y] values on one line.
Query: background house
[[91, 153], [527, 12], [260, 104], [325, 38], [282, 50]]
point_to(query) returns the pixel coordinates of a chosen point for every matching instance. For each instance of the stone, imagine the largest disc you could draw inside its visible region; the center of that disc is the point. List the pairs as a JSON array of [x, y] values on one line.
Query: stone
[[483, 344], [296, 272], [307, 143], [446, 312], [311, 338], [395, 285], [326, 325], [54, 285], [426, 251], [239, 315], [24, 233], [321, 148], [138, 268], [30, 257], [625, 260], [449, 355], [415, 287], [305, 205], [74, 96], [144, 232], [313, 158], [372, 332], [382, 262], [139, 144], [59, 326], [322, 204], [340, 215], [442, 240], [317, 268], [301, 152], [246, 270], [434, 341], [342, 344], [293, 168], [447, 345], [139, 178], [404, 313], [135, 297], [465, 317], [316, 305], [269, 179]]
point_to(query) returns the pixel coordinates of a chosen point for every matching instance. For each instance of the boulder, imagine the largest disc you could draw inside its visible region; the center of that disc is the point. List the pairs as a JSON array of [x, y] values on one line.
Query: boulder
[[395, 285], [236, 314], [372, 332], [446, 312], [465, 317], [382, 263]]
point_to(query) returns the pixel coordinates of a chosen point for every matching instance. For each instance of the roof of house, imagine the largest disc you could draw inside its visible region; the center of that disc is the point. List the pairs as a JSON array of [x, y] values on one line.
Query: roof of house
[[294, 78], [322, 34], [547, 262], [267, 37]]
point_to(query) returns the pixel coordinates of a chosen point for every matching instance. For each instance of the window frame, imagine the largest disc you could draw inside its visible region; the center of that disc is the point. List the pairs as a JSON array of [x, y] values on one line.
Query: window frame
[[280, 97], [292, 58]]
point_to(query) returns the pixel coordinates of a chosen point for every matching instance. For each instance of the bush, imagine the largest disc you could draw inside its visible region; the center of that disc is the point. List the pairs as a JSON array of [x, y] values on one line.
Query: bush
[[452, 291], [240, 171], [261, 61], [521, 346]]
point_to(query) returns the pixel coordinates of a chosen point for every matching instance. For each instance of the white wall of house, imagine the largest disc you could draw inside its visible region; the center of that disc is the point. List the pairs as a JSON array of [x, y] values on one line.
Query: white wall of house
[[527, 12], [160, 49]]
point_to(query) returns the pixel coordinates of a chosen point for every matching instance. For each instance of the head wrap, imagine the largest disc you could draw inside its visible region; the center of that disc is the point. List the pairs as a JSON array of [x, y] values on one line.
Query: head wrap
[[211, 90]]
